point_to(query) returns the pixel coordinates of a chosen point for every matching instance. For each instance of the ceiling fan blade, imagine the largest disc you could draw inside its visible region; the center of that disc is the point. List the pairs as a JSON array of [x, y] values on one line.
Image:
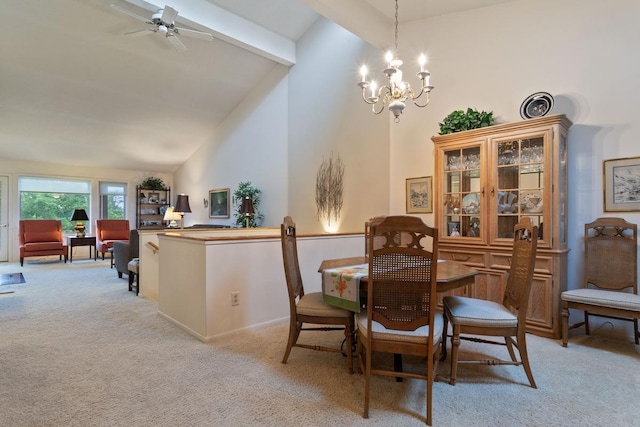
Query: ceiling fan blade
[[193, 33], [176, 42], [169, 15], [139, 33], [130, 13]]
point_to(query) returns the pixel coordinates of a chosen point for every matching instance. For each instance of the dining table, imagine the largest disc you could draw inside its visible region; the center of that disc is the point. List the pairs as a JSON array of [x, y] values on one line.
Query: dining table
[[450, 275]]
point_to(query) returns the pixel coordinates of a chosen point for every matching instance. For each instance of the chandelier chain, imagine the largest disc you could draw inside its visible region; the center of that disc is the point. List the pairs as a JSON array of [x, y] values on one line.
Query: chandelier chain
[[396, 36]]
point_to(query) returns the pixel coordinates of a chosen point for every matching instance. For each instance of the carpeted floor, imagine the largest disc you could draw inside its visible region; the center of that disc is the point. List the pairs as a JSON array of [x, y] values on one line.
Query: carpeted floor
[[78, 349]]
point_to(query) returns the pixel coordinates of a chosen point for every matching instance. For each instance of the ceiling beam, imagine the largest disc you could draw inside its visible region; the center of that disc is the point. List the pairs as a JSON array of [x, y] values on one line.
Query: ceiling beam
[[224, 25], [358, 17]]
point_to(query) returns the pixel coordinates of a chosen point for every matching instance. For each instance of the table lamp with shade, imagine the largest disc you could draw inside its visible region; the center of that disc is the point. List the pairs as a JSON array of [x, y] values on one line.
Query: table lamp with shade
[[182, 207], [171, 216], [79, 215], [247, 210]]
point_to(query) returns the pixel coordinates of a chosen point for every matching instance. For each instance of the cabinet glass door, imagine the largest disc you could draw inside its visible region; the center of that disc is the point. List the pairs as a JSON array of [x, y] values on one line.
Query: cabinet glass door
[[520, 186], [462, 192]]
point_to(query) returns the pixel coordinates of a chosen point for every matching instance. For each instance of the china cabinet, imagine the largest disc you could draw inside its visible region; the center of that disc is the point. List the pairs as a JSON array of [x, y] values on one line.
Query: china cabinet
[[487, 179], [151, 205]]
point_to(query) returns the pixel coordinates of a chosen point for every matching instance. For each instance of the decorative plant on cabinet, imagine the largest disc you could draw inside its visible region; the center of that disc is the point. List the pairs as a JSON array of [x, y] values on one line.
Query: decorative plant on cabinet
[[245, 189]]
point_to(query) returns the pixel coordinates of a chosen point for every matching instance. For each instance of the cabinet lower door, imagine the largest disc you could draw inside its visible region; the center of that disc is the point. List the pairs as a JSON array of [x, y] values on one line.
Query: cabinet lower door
[[490, 285], [540, 310]]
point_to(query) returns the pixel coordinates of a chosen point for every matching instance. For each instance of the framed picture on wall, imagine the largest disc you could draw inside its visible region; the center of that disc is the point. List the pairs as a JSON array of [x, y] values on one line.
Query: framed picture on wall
[[219, 202], [622, 185], [419, 195]]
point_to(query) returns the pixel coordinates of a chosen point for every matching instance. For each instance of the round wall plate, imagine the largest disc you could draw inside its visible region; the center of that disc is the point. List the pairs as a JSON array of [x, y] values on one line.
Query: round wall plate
[[536, 105]]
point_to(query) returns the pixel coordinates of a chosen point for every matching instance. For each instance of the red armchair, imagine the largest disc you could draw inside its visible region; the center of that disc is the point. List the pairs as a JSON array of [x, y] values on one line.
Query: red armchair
[[109, 231], [41, 237]]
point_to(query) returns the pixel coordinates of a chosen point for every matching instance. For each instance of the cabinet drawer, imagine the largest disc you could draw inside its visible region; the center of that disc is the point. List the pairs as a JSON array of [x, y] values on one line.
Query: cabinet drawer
[[544, 265], [472, 259]]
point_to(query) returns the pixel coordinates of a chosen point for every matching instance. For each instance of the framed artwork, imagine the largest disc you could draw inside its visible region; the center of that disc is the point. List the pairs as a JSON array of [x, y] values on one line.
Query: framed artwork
[[622, 185], [219, 202], [154, 197], [419, 195]]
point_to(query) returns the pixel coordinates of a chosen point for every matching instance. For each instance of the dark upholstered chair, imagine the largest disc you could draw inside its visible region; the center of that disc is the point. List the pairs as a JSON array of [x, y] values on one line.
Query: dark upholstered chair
[[40, 237], [123, 252], [309, 307], [109, 231]]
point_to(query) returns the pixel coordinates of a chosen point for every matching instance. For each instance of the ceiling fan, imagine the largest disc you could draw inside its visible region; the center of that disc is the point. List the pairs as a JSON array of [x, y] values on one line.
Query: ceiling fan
[[163, 21]]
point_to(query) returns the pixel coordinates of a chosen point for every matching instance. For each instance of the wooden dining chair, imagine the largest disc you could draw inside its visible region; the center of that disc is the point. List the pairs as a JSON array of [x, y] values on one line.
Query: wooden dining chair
[[610, 284], [487, 318], [401, 312], [310, 307]]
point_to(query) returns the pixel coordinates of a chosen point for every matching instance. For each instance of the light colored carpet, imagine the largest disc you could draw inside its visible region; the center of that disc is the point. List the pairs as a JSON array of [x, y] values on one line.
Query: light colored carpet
[[78, 349]]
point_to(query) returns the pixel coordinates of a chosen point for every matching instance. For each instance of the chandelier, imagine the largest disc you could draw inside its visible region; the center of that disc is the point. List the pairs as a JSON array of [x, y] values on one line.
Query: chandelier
[[395, 94]]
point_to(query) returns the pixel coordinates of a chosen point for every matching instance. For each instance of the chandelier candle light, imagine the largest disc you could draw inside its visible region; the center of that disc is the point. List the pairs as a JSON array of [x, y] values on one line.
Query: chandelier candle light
[[394, 95]]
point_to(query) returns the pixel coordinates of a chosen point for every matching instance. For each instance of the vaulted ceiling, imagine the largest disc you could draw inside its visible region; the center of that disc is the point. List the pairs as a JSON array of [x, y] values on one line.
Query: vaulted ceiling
[[74, 89]]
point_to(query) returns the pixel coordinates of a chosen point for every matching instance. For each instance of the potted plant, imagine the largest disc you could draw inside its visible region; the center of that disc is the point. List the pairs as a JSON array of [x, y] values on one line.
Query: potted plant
[[460, 120], [153, 183], [245, 189]]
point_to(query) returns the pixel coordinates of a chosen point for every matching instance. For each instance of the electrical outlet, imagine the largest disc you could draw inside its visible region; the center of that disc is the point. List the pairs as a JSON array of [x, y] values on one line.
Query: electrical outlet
[[235, 298]]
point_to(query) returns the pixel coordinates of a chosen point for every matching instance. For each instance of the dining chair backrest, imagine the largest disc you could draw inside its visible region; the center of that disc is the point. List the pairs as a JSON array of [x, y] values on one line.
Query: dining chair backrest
[[610, 253], [402, 273], [367, 231], [523, 259], [290, 260]]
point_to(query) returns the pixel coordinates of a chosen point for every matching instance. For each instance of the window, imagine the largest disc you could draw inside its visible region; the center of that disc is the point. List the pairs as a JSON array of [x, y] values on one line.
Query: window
[[53, 198], [113, 200]]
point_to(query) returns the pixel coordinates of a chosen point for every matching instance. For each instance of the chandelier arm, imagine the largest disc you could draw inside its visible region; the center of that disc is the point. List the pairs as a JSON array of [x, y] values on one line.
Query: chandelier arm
[[373, 109], [426, 103], [364, 97]]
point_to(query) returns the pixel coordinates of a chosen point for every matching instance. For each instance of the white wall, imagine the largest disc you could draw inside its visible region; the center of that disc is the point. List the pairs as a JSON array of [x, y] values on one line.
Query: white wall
[[583, 52], [250, 145], [16, 168], [327, 117], [279, 136]]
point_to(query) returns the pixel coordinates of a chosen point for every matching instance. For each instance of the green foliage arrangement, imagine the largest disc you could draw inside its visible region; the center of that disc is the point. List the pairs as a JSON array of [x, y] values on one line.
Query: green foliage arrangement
[[471, 119], [153, 183], [246, 189]]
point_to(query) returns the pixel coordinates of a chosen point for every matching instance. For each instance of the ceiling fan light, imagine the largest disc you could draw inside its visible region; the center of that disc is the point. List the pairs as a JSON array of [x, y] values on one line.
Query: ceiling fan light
[[162, 29]]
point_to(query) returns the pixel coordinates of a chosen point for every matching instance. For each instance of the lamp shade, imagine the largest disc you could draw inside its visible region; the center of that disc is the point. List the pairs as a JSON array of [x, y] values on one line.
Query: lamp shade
[[171, 215], [79, 215], [247, 206], [182, 204]]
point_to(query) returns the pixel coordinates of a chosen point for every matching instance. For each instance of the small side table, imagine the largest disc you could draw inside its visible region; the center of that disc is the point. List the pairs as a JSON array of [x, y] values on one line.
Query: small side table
[[73, 241]]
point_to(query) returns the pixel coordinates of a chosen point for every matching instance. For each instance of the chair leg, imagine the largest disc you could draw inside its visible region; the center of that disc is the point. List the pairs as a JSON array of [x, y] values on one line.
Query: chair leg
[[130, 280], [294, 332], [348, 332], [359, 353], [455, 344], [367, 381], [586, 323], [565, 324], [635, 331], [445, 328], [509, 343], [21, 261], [524, 357]]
